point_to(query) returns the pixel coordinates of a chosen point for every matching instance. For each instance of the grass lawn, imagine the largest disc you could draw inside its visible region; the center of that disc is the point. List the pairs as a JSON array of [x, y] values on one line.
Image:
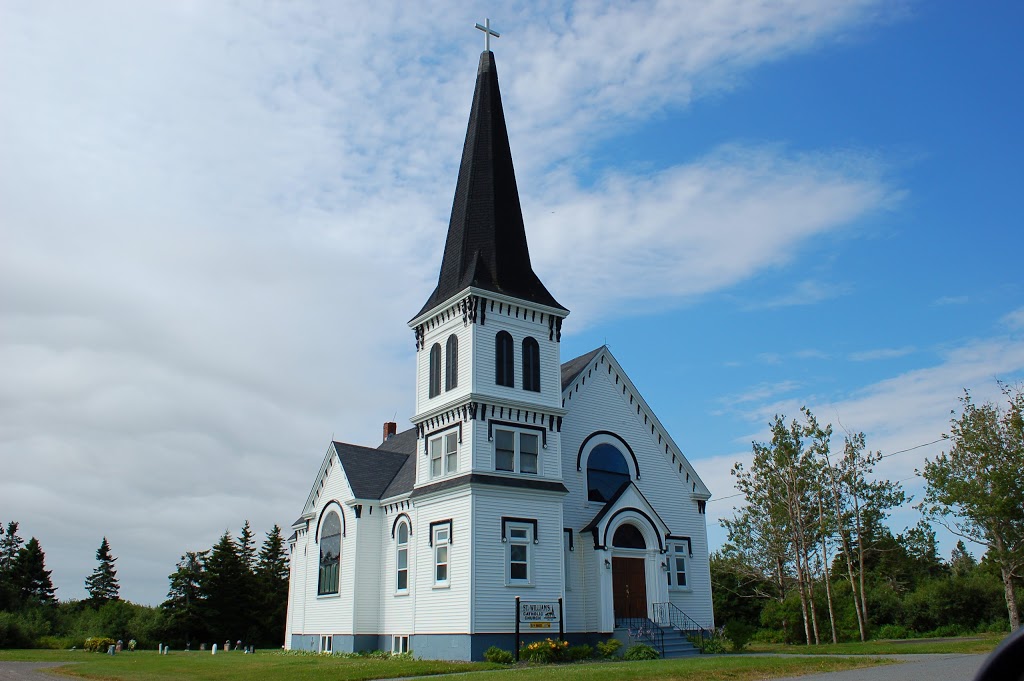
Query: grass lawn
[[147, 665], [981, 643]]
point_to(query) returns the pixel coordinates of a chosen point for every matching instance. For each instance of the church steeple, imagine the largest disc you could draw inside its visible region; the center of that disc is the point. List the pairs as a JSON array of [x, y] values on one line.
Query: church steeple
[[486, 246]]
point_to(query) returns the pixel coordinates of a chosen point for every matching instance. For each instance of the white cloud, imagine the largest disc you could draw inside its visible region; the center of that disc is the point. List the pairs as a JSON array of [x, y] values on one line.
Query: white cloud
[[216, 219], [1015, 319], [882, 353]]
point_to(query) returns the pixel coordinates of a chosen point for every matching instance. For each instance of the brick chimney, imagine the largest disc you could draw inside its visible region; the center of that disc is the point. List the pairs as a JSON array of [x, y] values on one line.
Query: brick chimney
[[390, 428]]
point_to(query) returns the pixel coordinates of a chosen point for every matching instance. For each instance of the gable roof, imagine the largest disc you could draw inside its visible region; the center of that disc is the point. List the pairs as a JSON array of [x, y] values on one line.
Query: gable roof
[[486, 246], [573, 368], [369, 471]]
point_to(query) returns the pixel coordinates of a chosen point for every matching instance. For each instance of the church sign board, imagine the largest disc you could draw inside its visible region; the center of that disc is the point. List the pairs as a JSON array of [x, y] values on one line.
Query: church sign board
[[538, 616]]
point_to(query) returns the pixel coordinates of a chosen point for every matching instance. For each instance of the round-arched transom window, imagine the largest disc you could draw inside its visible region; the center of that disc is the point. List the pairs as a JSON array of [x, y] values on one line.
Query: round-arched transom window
[[628, 537], [607, 471]]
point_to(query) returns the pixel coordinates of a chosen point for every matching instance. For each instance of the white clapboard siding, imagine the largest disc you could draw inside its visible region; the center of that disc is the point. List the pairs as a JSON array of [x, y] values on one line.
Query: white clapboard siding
[[367, 571], [549, 462], [396, 609], [550, 394], [442, 610], [331, 614], [439, 334], [600, 405], [493, 599]]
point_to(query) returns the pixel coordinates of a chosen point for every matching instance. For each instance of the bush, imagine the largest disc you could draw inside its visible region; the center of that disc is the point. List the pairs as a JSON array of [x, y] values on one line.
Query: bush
[[579, 653], [58, 642], [739, 634], [892, 631], [98, 644], [769, 636], [607, 649], [641, 651], [714, 643], [496, 654], [548, 650]]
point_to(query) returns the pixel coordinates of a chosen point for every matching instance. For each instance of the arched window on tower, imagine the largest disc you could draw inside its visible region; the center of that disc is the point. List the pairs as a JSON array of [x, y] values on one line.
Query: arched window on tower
[[504, 359], [531, 364], [435, 370], [451, 362], [330, 555], [607, 471]]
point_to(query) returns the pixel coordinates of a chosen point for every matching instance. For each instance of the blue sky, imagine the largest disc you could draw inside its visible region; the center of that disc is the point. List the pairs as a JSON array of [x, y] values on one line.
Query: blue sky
[[209, 209]]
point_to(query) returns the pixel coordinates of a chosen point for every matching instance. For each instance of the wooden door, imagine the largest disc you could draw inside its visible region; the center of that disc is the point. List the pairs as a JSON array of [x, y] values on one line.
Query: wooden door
[[629, 587]]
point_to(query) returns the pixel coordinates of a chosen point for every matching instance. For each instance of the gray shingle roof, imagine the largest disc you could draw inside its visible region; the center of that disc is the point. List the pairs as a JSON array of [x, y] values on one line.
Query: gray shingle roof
[[369, 471], [486, 246], [573, 368]]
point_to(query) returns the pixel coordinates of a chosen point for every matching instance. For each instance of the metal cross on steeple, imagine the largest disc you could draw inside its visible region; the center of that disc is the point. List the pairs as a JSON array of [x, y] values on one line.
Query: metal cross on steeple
[[488, 32]]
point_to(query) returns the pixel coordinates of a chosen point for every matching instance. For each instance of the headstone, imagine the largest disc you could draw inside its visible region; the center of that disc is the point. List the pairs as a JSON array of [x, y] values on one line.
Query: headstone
[[202, 646], [110, 650], [214, 649]]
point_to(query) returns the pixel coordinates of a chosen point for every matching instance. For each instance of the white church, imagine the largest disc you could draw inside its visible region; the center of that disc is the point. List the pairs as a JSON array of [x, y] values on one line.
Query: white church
[[530, 495]]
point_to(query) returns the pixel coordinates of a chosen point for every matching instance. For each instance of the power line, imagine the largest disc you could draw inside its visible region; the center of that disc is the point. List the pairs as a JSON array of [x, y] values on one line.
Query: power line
[[886, 456]]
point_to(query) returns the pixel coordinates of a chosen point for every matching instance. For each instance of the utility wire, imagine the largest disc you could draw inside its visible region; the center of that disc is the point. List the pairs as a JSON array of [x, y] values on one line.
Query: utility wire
[[886, 456]]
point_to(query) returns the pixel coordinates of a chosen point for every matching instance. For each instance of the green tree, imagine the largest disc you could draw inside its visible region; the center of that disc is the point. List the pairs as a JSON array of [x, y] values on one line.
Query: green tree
[[272, 587], [102, 585], [185, 608], [10, 543], [30, 576], [223, 589], [961, 562], [976, 490]]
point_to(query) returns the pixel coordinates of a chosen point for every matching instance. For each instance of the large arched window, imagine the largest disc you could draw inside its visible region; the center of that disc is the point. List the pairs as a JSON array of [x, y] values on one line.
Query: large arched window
[[607, 471], [504, 359], [402, 557], [330, 554], [628, 537], [451, 363], [435, 370], [531, 364]]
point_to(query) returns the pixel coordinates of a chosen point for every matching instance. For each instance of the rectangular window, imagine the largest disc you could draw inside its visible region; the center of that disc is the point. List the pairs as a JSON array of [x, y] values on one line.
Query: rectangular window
[[399, 645], [677, 566], [520, 540], [326, 644], [444, 454], [442, 538], [528, 445], [504, 450], [516, 451]]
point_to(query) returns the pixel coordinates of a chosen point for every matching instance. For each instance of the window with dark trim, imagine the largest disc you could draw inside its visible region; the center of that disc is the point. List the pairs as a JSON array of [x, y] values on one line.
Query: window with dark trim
[[628, 537], [607, 471], [451, 363], [402, 558], [516, 451], [676, 561], [435, 370], [330, 555], [504, 360], [531, 364]]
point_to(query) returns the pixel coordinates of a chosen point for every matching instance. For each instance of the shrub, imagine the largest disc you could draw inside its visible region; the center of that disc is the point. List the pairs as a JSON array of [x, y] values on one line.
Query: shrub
[[548, 650], [714, 643], [98, 644], [496, 654], [581, 652], [58, 642], [892, 631], [739, 634], [769, 636], [641, 651], [607, 649]]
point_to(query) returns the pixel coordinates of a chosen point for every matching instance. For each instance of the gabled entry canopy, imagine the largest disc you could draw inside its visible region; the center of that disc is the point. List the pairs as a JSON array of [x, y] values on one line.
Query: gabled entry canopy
[[628, 503], [486, 246]]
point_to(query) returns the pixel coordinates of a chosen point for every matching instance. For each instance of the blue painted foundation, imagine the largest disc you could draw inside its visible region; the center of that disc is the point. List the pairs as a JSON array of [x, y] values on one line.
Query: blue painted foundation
[[462, 647]]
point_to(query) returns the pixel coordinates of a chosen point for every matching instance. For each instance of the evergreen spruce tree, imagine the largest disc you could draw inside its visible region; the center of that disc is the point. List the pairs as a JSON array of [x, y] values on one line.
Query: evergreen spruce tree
[[185, 609], [247, 547], [30, 576], [272, 588], [10, 543], [223, 589], [102, 584]]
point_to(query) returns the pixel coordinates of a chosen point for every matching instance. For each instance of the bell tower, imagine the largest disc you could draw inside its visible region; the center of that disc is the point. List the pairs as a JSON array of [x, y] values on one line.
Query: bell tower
[[488, 386]]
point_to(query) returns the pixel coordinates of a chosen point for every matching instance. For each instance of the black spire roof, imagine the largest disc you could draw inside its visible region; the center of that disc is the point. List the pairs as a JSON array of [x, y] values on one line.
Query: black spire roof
[[486, 245]]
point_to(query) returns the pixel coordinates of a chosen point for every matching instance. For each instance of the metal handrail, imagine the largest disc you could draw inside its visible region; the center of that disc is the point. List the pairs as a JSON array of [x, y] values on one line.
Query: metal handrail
[[669, 614], [643, 628]]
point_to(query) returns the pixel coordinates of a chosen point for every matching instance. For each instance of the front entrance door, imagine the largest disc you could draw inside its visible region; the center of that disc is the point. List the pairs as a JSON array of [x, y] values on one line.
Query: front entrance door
[[629, 587]]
